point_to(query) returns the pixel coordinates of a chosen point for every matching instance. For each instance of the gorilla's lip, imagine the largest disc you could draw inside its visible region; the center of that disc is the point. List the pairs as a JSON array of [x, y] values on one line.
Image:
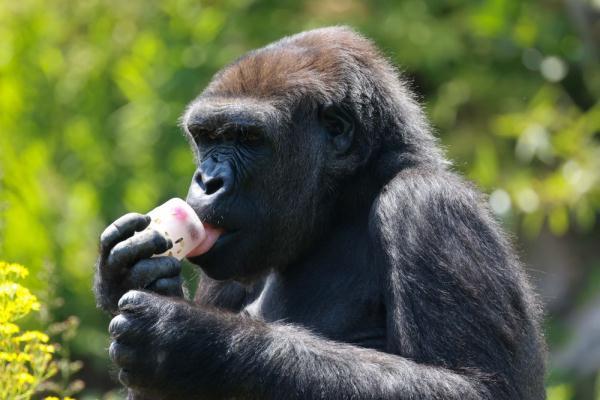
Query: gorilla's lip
[[223, 241], [217, 222]]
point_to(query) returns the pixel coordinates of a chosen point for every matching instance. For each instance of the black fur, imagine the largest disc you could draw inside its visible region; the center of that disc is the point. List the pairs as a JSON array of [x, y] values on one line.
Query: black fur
[[355, 263]]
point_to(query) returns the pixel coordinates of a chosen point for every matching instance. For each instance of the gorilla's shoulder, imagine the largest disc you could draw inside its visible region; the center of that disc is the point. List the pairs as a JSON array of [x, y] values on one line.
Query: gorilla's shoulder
[[418, 188], [420, 206]]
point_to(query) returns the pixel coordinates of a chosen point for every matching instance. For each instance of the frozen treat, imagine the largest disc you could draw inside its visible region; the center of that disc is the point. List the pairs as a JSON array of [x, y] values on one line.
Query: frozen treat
[[177, 221]]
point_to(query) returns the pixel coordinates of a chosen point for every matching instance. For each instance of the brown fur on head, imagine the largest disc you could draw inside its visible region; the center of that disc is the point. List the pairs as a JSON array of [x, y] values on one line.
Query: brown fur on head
[[337, 65], [314, 63]]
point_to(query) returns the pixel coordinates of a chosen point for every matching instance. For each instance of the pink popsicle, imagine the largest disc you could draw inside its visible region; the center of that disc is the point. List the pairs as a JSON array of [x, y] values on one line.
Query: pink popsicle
[[176, 220]]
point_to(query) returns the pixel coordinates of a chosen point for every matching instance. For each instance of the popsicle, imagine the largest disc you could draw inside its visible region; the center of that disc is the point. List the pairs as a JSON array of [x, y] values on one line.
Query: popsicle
[[177, 221]]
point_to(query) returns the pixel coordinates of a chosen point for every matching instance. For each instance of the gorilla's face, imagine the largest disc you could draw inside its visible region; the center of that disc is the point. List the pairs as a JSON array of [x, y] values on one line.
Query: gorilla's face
[[262, 178]]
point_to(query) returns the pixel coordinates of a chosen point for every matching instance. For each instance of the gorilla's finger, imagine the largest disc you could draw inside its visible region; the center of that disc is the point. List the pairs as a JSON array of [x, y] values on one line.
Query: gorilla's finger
[[122, 355], [119, 326], [138, 247], [148, 270], [123, 228], [168, 286], [133, 300]]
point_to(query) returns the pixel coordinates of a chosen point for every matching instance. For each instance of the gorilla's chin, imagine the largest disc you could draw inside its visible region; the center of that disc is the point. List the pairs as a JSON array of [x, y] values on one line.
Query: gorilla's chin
[[227, 259]]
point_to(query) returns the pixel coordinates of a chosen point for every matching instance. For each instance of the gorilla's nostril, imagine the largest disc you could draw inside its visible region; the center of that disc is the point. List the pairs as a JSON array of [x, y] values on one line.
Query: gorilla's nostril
[[212, 185]]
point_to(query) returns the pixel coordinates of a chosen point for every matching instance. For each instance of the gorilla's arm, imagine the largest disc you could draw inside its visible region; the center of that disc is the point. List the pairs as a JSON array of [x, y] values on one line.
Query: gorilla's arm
[[457, 295], [207, 353], [455, 311]]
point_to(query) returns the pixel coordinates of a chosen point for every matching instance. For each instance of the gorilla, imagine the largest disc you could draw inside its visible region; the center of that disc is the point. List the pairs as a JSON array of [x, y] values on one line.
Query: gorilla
[[350, 261]]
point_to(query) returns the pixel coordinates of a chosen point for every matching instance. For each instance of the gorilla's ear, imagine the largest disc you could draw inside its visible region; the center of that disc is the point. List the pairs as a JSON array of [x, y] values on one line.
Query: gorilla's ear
[[339, 123]]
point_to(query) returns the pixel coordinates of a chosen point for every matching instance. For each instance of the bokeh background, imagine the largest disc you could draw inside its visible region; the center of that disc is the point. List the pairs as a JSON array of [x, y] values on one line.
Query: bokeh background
[[91, 92]]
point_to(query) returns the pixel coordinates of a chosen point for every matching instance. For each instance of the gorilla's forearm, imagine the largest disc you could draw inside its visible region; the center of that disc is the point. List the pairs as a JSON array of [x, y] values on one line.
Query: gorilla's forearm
[[276, 361]]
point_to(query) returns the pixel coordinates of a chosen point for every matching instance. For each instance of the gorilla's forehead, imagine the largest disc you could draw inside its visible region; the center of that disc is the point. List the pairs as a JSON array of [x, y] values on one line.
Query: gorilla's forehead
[[320, 62], [216, 111]]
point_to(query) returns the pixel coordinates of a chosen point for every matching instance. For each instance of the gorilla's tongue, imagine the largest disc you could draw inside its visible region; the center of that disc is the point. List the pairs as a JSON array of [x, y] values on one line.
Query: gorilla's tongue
[[212, 234]]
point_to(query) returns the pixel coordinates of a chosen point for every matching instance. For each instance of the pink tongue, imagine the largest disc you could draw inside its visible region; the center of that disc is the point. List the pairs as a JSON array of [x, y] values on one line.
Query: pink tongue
[[212, 234]]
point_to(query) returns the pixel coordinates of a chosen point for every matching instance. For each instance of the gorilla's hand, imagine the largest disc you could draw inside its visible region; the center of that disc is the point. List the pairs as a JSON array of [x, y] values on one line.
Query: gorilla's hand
[[152, 338], [125, 262]]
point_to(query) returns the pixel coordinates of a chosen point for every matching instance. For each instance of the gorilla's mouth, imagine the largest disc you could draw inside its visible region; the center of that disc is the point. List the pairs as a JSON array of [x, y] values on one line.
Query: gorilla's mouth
[[213, 233]]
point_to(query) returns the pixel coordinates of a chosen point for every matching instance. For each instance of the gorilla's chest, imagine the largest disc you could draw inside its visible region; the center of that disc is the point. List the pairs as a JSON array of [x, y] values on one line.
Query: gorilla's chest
[[336, 296]]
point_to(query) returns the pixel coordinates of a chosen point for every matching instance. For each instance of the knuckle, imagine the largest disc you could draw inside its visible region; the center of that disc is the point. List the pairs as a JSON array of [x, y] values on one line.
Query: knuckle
[[130, 298], [117, 325]]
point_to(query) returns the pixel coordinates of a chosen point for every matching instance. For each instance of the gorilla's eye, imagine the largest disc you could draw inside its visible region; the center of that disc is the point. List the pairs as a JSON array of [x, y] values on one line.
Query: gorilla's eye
[[201, 133], [250, 135], [336, 119], [211, 135]]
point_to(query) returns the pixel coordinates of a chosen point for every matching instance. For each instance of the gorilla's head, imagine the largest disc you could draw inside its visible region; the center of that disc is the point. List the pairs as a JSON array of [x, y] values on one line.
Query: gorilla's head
[[289, 137]]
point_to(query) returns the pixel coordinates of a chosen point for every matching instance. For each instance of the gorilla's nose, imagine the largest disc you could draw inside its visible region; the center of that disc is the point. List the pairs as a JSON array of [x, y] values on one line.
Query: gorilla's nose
[[212, 179], [212, 183], [209, 183], [206, 191]]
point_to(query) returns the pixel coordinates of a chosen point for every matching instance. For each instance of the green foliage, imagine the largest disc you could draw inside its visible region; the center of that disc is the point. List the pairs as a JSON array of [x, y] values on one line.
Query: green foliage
[[90, 94]]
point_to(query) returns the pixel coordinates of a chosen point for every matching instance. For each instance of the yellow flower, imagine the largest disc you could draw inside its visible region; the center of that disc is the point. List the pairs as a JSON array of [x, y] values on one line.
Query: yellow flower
[[6, 356], [25, 378], [7, 329], [46, 348], [12, 270], [16, 300], [25, 358], [32, 336]]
